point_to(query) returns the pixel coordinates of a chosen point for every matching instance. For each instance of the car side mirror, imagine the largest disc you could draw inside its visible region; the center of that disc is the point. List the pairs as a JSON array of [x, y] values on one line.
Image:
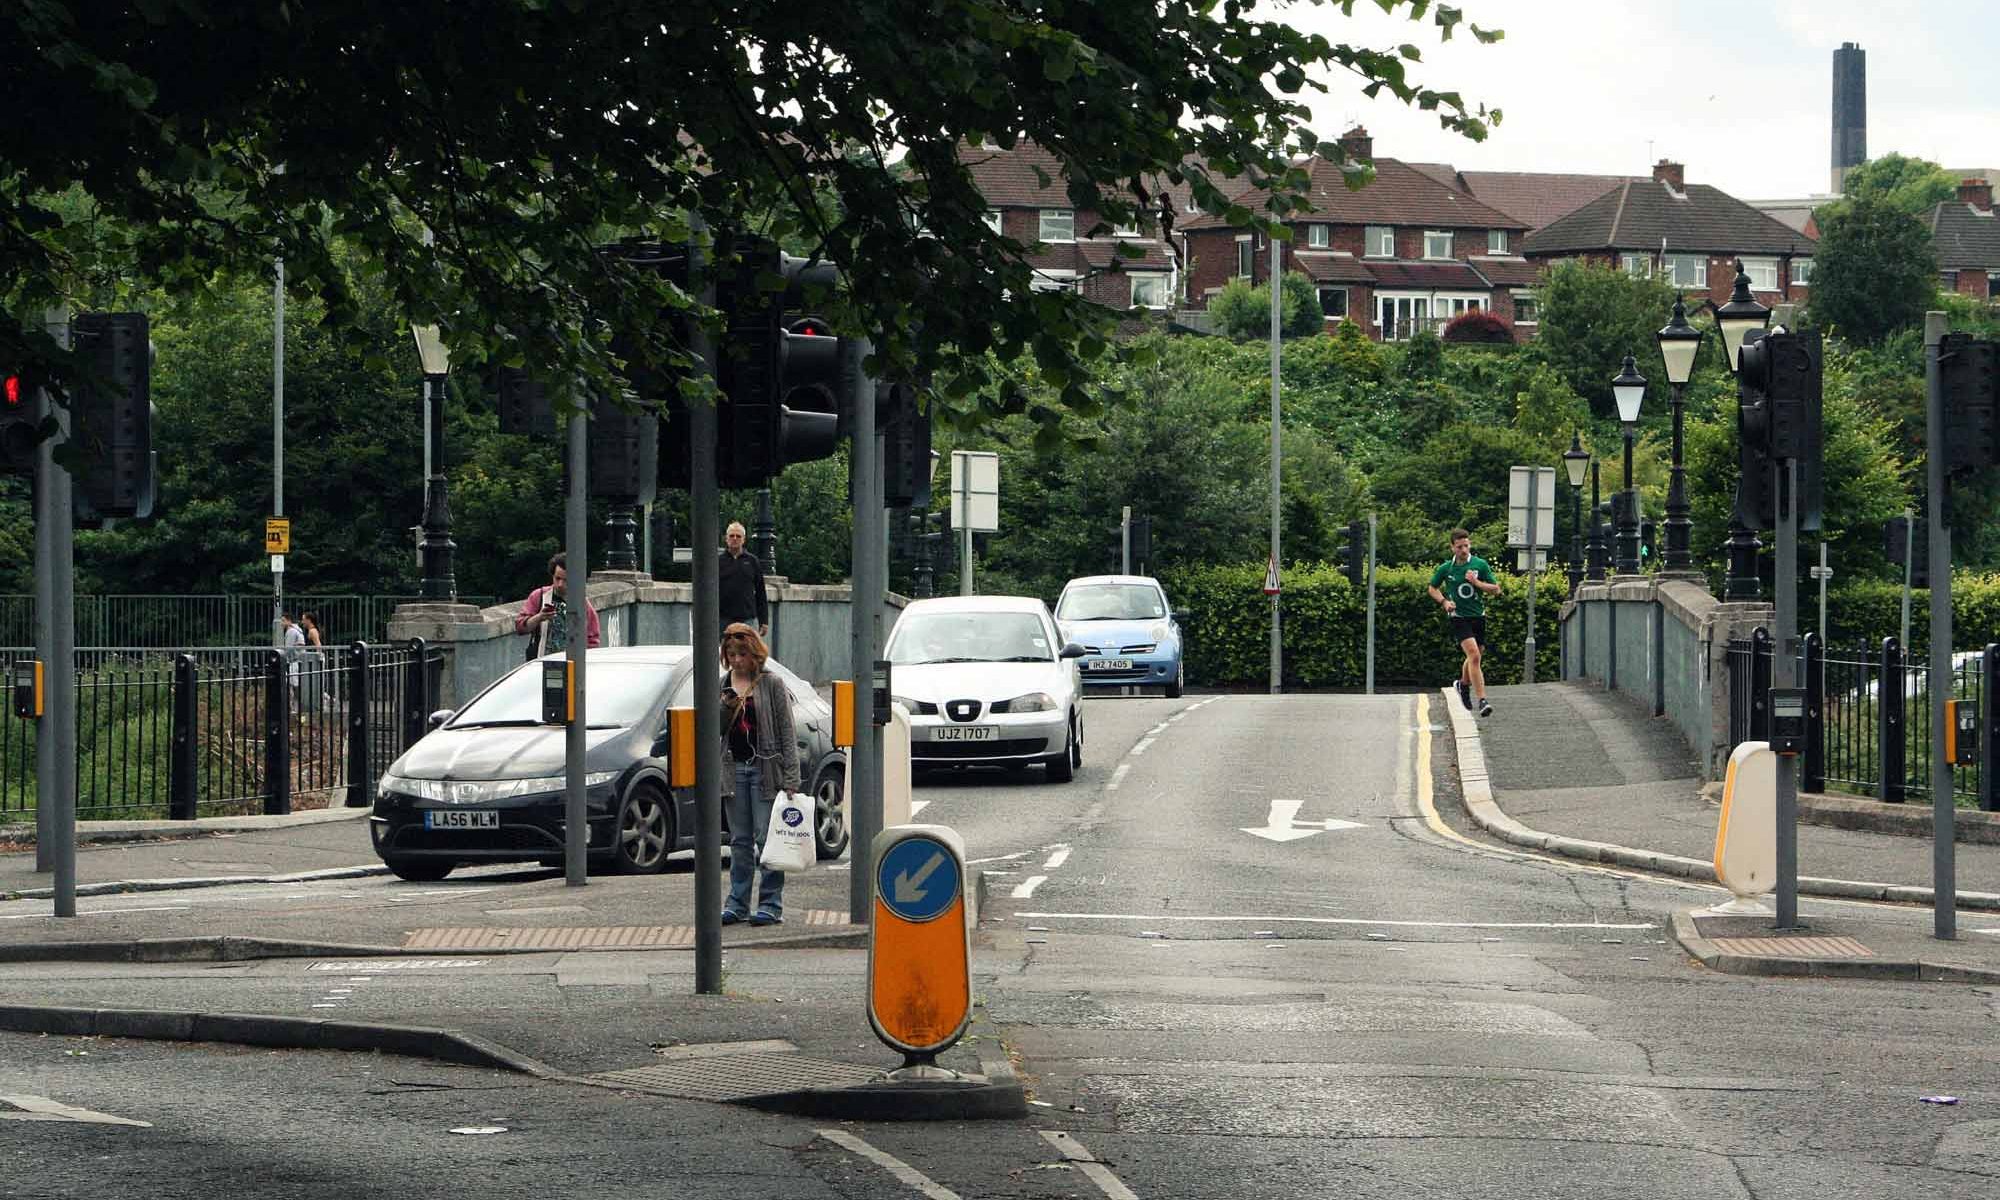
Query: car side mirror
[[1072, 650], [440, 717]]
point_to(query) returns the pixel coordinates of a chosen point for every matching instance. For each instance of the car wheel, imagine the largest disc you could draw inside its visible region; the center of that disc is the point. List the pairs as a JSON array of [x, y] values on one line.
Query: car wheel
[[645, 831], [830, 812], [1062, 767], [418, 870], [1175, 688]]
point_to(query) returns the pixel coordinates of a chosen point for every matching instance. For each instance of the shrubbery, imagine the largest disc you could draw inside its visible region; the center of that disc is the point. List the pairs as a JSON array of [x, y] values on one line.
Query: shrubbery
[[1478, 325]]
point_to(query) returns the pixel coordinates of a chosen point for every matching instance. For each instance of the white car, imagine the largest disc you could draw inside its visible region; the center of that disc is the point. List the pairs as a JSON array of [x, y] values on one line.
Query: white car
[[988, 681]]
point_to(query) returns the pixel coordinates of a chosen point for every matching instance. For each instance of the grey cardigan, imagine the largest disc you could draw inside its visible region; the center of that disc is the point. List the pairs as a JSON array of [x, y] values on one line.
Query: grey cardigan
[[777, 739]]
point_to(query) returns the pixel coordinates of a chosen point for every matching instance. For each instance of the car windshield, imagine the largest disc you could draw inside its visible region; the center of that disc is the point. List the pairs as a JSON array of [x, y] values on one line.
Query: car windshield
[[934, 637], [1111, 602], [615, 695]]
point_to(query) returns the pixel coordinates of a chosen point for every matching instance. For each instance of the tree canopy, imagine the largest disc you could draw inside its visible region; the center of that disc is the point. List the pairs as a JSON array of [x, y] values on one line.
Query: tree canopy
[[474, 156], [1910, 185], [1875, 271]]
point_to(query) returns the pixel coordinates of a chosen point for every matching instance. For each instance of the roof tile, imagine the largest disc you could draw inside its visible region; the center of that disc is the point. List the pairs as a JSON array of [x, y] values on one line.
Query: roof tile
[[1641, 214]]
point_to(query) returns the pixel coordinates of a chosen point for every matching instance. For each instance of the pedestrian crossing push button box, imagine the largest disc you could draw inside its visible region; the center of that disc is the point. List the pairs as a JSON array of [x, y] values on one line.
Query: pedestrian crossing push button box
[[27, 688], [1961, 732], [558, 692], [1788, 720]]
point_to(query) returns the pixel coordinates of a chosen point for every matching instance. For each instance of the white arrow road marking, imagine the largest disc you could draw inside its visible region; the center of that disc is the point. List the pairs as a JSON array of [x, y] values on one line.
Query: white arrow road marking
[[1057, 859], [917, 806], [903, 1171], [1086, 1162], [1117, 777], [1283, 826], [41, 1108], [911, 890], [1026, 888]]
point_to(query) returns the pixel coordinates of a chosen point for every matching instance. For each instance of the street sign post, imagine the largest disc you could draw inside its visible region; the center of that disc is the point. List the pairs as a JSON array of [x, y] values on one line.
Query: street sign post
[[975, 503], [919, 942], [1531, 525]]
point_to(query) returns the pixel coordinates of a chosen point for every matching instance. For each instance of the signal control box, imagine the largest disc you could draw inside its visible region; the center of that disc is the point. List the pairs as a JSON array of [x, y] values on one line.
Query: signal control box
[[1788, 720], [1961, 732]]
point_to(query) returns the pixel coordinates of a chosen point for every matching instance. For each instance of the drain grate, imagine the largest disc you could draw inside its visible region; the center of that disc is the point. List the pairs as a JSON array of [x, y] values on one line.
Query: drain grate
[[1794, 947], [609, 937], [728, 1077]]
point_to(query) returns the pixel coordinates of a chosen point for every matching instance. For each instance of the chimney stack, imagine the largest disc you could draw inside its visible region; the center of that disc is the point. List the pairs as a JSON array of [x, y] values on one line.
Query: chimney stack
[[1670, 173], [1357, 145], [1850, 111], [1976, 192]]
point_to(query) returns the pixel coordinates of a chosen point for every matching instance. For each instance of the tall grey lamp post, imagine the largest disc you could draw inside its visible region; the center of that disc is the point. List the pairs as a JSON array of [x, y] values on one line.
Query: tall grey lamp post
[[1576, 460], [1737, 320], [1680, 345], [438, 584], [1628, 387]]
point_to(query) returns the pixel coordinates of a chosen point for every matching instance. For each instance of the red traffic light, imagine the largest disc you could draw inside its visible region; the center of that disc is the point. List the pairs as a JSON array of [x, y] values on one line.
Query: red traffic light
[[12, 391], [810, 327]]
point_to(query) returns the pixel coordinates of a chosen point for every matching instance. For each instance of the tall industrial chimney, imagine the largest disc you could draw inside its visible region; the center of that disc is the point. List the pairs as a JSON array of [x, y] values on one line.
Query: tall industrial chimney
[[1850, 111]]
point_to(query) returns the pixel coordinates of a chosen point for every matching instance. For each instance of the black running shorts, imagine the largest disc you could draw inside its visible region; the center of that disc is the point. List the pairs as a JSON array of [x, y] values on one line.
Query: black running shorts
[[1468, 627]]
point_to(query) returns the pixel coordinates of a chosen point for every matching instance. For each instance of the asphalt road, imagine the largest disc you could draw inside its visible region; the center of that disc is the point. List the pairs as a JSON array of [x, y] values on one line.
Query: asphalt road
[[1236, 957]]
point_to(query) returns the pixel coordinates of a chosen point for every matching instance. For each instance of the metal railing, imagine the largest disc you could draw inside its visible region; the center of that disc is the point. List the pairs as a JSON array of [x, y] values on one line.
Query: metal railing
[[1861, 736], [173, 621], [218, 731]]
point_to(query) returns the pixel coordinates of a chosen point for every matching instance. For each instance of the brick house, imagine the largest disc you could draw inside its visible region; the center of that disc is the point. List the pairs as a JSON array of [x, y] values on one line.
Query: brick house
[[1028, 200], [1967, 237], [1690, 236], [1407, 252]]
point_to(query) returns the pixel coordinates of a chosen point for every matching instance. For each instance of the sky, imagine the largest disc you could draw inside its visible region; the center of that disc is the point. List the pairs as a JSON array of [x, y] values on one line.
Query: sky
[[1738, 91]]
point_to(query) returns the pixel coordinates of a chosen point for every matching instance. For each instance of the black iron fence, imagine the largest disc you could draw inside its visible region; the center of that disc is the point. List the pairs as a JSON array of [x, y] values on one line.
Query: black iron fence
[[1868, 716], [174, 621], [229, 730]]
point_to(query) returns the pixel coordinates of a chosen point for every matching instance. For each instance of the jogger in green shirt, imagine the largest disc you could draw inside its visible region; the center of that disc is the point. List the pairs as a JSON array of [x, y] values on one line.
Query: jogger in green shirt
[[1458, 584]]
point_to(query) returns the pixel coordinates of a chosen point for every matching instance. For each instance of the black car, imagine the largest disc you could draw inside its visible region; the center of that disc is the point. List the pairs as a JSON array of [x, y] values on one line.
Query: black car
[[486, 785]]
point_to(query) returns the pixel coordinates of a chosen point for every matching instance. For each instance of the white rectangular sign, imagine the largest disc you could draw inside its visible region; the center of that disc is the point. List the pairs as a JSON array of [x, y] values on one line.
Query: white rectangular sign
[[975, 490], [1545, 506]]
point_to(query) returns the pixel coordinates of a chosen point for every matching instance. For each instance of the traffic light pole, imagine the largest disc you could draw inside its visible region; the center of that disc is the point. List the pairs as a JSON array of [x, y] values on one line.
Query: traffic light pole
[[705, 638], [864, 803], [1784, 674], [1944, 866], [55, 571], [576, 548], [1125, 541], [1371, 605]]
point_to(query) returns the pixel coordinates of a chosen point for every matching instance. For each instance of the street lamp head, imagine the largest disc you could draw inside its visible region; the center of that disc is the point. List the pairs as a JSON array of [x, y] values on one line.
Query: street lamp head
[[1575, 459], [1679, 342], [431, 350], [1629, 388], [1738, 317]]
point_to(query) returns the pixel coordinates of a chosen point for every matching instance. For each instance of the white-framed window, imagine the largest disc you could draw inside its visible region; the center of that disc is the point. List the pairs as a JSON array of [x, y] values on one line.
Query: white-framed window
[[1055, 281], [1149, 291], [1319, 237], [1638, 265], [1763, 274], [1246, 257], [1333, 302], [1437, 243], [1526, 310], [995, 220], [1058, 225], [1380, 241], [1451, 306], [1684, 270], [1948, 280], [1496, 241], [1801, 272], [1402, 314]]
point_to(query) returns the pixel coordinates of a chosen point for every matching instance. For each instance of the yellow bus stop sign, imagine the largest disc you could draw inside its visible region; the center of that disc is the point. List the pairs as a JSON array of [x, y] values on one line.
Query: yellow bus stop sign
[[920, 940], [277, 535]]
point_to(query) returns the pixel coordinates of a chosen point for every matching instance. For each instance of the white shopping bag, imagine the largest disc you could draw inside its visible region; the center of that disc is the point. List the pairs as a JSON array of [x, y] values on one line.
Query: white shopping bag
[[789, 844]]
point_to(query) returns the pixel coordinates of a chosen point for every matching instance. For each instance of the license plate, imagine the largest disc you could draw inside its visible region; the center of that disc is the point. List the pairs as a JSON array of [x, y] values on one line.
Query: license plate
[[964, 733], [461, 818], [1108, 664]]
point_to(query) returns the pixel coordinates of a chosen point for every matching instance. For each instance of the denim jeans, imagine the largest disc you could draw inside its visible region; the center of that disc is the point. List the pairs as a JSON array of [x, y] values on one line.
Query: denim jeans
[[749, 817]]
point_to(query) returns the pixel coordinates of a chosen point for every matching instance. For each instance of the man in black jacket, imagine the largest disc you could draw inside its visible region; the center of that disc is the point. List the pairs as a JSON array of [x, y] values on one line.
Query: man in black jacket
[[741, 585]]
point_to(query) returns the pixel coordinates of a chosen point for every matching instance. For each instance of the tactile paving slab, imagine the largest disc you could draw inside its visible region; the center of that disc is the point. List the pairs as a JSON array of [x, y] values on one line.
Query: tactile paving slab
[[607, 937], [1793, 947], [727, 1077]]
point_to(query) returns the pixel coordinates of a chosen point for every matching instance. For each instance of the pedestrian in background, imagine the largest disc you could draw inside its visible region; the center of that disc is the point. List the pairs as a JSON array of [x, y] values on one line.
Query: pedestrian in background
[[544, 615], [760, 758], [1457, 585], [740, 584], [312, 679]]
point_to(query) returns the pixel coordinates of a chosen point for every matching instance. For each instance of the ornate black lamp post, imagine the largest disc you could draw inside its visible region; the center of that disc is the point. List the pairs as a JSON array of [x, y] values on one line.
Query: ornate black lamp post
[[436, 548], [1594, 550], [1737, 319], [1680, 343], [1628, 387], [1575, 460]]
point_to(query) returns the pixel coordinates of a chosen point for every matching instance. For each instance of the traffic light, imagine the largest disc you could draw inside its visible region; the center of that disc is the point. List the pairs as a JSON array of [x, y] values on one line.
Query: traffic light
[[1142, 539], [783, 384], [1778, 413], [1967, 380], [111, 416], [1896, 543], [906, 445], [1353, 553], [524, 404], [1647, 532], [18, 436], [624, 438]]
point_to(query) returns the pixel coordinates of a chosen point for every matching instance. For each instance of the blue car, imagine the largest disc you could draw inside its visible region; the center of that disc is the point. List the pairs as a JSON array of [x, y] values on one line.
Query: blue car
[[1127, 630]]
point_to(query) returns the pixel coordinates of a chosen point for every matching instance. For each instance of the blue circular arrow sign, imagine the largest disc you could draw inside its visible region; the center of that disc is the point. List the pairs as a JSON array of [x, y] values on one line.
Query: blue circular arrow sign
[[917, 879]]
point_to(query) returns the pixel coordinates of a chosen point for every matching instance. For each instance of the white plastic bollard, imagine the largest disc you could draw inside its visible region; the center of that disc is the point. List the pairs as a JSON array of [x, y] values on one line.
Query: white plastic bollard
[[896, 772], [1746, 839]]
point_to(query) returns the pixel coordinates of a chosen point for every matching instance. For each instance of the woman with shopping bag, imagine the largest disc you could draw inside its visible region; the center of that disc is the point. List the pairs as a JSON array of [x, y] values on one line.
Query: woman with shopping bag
[[760, 757]]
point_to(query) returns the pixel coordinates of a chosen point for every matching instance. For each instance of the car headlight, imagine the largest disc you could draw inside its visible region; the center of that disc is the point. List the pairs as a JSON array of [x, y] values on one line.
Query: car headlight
[[484, 791], [1161, 632], [1032, 702], [918, 708]]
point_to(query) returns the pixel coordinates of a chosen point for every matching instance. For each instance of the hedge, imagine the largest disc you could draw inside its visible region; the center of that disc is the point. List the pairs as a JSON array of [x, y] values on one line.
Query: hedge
[[1226, 621], [1864, 612]]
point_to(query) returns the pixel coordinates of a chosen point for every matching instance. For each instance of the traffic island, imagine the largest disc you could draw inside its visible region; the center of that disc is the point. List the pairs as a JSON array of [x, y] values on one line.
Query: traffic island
[[958, 1098]]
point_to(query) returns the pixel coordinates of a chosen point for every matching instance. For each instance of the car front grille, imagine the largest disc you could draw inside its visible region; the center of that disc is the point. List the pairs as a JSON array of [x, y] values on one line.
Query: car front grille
[[1004, 748], [1121, 651]]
